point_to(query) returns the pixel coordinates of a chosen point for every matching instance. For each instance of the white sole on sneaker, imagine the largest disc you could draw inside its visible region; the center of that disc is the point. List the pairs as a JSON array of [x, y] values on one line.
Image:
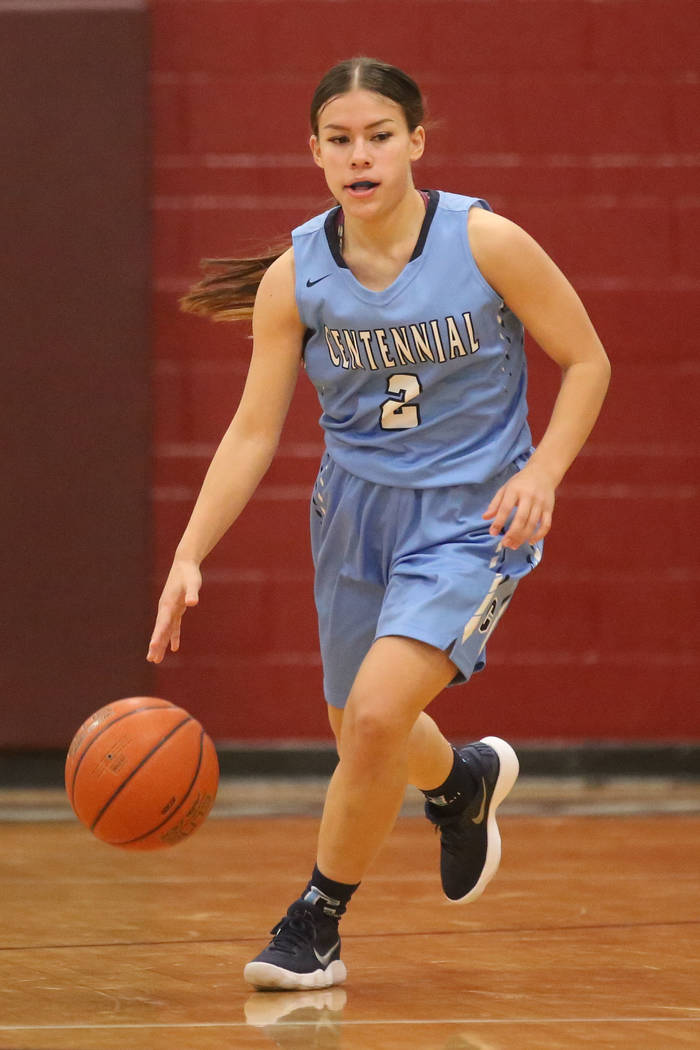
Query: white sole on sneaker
[[265, 975], [507, 775]]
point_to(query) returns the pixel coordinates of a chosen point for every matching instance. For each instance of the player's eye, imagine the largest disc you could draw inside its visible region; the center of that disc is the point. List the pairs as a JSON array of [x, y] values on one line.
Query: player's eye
[[382, 136]]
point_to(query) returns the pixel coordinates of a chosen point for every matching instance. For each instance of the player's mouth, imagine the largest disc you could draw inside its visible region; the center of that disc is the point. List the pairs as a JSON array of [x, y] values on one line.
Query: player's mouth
[[361, 187]]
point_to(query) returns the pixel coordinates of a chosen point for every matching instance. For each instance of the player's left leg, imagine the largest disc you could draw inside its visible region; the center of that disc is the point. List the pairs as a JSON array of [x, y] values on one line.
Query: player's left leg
[[384, 740]]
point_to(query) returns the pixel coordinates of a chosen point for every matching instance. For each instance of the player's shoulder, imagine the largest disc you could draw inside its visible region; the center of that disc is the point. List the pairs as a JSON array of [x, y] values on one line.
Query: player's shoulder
[[506, 254], [276, 290], [280, 272], [495, 228], [493, 237]]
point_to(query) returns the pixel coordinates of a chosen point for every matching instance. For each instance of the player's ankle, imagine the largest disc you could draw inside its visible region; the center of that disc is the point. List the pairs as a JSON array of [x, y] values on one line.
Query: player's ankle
[[457, 790], [330, 896]]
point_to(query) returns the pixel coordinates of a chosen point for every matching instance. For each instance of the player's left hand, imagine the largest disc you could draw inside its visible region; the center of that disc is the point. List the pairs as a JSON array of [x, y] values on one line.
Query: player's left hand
[[529, 497]]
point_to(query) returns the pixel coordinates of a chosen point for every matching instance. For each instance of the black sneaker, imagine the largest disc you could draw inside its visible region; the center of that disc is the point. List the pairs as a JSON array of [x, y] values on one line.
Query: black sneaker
[[470, 842], [304, 952]]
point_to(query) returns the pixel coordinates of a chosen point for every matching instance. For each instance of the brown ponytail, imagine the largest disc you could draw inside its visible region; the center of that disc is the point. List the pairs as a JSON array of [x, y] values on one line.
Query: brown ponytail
[[227, 291]]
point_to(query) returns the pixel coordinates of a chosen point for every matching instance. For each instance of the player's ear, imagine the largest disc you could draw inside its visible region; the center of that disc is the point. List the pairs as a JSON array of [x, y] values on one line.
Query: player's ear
[[315, 147], [417, 142]]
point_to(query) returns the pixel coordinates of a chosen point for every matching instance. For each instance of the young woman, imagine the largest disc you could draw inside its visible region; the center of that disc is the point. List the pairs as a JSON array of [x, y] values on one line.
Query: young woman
[[406, 309]]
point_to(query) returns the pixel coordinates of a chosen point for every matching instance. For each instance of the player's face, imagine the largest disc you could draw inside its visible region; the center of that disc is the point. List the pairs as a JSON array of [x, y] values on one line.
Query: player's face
[[366, 150]]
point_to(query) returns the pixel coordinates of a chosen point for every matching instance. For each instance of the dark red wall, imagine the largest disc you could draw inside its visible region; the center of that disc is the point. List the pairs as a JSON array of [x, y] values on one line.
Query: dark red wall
[[579, 120], [75, 420]]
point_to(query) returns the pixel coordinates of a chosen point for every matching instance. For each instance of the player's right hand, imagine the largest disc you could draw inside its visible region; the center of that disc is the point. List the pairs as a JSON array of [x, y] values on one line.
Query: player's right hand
[[181, 592]]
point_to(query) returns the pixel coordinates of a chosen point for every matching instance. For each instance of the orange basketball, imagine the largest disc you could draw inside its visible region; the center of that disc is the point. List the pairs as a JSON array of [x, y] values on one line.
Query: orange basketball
[[141, 773]]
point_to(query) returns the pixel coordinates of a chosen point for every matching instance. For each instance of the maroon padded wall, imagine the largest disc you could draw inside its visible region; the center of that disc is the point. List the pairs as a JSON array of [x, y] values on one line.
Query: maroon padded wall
[[75, 425], [580, 121]]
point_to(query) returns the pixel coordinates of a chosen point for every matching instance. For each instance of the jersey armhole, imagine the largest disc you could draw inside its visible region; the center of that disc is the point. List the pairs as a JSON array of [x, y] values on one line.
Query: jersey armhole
[[483, 206]]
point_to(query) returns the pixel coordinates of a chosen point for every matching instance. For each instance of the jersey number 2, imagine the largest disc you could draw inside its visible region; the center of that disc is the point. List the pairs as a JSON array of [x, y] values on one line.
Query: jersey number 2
[[397, 413]]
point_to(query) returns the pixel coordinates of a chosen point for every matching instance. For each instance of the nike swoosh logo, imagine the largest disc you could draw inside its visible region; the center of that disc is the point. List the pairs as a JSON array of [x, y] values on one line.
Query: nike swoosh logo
[[310, 284], [326, 958], [478, 819]]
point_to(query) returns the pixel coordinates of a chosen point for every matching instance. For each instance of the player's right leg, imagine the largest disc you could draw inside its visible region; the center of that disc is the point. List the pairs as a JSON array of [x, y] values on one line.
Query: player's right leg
[[470, 841], [397, 679]]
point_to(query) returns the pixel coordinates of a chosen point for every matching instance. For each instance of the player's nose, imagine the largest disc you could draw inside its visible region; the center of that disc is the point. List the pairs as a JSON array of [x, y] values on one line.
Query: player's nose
[[360, 156]]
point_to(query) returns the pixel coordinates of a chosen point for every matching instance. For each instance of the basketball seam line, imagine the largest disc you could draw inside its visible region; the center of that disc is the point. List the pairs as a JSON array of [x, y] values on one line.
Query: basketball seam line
[[152, 831], [127, 714], [135, 770]]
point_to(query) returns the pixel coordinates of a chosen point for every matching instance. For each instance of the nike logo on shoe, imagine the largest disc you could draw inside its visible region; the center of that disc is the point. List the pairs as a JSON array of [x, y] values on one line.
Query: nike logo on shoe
[[310, 284], [478, 819], [326, 957]]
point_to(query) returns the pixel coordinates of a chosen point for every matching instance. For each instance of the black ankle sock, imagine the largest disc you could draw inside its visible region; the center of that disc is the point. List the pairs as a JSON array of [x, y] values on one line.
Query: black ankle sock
[[458, 790], [334, 896]]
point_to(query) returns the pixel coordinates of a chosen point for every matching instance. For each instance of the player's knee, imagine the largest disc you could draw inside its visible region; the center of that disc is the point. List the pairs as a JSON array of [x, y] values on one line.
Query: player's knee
[[371, 734]]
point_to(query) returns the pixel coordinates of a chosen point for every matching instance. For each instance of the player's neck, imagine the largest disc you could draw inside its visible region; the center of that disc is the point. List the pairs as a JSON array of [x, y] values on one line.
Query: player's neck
[[389, 235]]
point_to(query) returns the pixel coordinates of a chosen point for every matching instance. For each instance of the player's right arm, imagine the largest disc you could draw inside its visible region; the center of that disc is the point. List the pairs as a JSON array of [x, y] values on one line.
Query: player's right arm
[[246, 449]]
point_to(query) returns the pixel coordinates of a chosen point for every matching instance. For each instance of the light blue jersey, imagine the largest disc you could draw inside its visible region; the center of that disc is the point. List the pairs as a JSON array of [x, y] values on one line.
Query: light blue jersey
[[424, 383]]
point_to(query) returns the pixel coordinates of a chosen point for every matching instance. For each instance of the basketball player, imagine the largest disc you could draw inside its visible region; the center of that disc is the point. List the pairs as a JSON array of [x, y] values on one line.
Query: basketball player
[[406, 309]]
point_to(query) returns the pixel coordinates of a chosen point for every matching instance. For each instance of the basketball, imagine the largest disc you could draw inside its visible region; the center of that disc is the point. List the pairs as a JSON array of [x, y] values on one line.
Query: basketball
[[141, 774]]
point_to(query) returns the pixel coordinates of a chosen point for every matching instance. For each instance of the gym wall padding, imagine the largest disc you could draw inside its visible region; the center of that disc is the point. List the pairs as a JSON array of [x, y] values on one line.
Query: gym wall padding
[[74, 216]]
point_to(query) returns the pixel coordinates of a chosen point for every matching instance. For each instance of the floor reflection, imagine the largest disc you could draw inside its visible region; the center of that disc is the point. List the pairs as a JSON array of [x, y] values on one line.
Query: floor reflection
[[461, 1042], [299, 1020], [313, 1020]]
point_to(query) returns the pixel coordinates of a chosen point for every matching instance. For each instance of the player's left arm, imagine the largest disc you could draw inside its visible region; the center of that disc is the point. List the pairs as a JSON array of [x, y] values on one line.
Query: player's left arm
[[536, 290]]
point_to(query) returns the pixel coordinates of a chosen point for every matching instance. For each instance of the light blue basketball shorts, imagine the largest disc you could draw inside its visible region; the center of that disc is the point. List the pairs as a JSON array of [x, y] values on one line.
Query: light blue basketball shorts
[[419, 563]]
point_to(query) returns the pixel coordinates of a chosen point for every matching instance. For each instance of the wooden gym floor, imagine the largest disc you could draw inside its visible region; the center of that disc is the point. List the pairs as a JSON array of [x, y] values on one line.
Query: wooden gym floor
[[588, 937]]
